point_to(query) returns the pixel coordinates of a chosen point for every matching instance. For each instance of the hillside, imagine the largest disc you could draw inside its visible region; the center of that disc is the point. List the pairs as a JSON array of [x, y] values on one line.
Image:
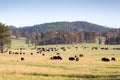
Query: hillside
[[65, 26], [12, 27]]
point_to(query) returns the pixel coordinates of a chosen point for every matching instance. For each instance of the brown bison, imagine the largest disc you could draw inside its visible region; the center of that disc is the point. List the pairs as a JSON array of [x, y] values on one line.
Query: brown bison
[[10, 52], [77, 59], [81, 55]]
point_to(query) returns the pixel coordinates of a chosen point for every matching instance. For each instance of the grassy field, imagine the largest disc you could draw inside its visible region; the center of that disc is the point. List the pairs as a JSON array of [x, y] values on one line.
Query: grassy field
[[38, 67]]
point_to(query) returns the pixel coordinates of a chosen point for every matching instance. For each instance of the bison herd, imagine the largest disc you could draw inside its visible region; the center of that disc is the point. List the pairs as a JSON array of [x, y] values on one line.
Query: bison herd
[[104, 59], [75, 58], [59, 57], [104, 48]]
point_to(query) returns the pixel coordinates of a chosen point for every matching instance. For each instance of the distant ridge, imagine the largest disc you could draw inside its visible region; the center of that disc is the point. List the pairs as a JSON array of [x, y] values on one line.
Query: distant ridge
[[66, 26], [12, 27]]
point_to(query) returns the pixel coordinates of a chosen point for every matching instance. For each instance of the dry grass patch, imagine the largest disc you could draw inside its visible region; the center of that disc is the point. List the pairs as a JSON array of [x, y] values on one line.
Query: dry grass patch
[[37, 67]]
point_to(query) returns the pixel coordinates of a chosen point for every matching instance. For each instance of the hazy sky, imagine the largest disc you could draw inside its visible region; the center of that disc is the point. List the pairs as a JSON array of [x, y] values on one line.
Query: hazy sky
[[30, 12]]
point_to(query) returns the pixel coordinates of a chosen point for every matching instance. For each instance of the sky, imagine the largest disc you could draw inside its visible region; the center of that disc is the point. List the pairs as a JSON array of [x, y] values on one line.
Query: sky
[[22, 13]]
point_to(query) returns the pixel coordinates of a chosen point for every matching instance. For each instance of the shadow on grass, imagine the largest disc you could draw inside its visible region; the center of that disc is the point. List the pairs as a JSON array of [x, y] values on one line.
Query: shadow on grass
[[111, 77]]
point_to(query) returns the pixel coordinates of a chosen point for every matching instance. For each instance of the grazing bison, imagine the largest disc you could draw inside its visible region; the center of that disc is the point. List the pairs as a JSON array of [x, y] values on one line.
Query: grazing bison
[[94, 48], [56, 58], [81, 55], [63, 48], [75, 56], [16, 53], [113, 59], [10, 52], [37, 51], [22, 59], [104, 48], [59, 57], [58, 53], [24, 53], [71, 58], [31, 53], [105, 59], [117, 48], [51, 58], [43, 54], [77, 59], [20, 53]]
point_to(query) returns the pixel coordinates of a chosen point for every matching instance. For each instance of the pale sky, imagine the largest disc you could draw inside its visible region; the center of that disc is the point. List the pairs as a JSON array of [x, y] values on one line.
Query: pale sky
[[30, 12]]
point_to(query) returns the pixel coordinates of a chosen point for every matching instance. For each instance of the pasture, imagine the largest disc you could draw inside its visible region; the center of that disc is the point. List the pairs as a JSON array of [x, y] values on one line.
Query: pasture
[[39, 67]]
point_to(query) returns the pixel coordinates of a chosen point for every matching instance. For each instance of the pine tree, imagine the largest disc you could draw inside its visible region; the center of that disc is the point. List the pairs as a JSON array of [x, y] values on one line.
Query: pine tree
[[5, 40]]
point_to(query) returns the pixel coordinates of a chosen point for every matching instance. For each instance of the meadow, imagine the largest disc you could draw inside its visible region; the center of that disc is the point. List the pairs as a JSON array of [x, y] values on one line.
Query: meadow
[[39, 67]]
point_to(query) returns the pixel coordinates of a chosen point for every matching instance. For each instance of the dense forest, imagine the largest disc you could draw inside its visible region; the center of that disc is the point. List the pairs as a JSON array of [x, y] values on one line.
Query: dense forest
[[57, 26], [66, 33]]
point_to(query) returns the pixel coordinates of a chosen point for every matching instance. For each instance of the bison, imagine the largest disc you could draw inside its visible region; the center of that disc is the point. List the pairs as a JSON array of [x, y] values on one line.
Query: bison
[[31, 53], [56, 58], [43, 54], [77, 59], [22, 59], [10, 52], [81, 55], [71, 58], [24, 53], [58, 53], [105, 59], [16, 53], [113, 59]]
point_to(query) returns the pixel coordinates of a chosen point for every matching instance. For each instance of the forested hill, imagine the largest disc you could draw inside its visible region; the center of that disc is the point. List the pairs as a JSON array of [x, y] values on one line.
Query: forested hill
[[65, 26], [12, 27]]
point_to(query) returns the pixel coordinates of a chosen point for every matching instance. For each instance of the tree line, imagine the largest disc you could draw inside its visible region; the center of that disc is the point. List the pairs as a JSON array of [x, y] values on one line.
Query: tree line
[[68, 37], [56, 37], [113, 37], [59, 37]]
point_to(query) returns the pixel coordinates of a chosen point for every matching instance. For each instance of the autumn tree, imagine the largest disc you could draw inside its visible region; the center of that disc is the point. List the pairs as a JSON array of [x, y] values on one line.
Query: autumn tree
[[118, 39], [5, 40], [37, 38], [81, 36], [33, 38], [17, 33], [27, 35]]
